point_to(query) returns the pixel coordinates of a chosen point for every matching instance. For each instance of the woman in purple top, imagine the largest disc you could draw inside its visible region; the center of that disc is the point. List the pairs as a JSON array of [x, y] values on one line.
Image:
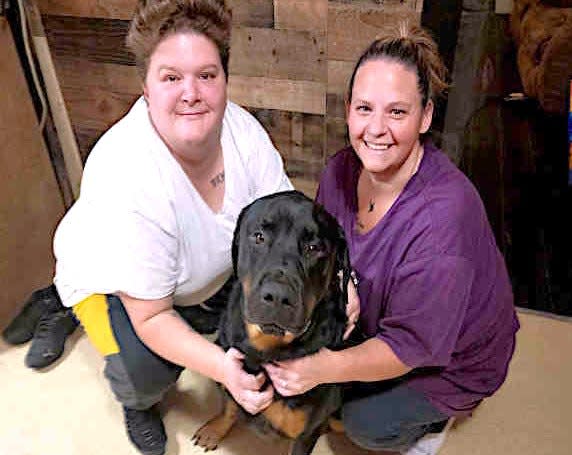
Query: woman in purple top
[[436, 301]]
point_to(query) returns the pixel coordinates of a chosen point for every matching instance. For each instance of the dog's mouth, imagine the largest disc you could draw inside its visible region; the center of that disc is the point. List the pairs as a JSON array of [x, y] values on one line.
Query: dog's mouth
[[270, 337], [272, 329], [275, 310], [276, 330]]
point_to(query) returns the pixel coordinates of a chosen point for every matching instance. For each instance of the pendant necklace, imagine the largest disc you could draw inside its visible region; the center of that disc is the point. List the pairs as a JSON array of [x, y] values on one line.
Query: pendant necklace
[[371, 202], [371, 206]]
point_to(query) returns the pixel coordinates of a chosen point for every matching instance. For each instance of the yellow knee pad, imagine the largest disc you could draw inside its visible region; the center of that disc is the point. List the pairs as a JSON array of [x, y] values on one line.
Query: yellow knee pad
[[93, 314]]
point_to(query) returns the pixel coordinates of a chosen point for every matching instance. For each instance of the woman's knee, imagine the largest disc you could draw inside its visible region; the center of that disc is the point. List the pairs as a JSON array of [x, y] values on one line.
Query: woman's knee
[[138, 377], [374, 434], [387, 418], [137, 391], [393, 443]]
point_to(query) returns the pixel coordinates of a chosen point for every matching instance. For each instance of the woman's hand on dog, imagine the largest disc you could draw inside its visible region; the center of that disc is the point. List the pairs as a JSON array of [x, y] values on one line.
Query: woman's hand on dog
[[352, 308], [296, 376], [244, 387]]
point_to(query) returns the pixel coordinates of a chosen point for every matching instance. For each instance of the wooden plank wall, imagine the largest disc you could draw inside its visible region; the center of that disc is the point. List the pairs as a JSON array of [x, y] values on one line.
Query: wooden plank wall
[[290, 61]]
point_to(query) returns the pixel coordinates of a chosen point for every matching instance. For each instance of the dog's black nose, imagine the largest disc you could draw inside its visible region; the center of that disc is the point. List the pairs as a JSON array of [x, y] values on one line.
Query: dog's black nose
[[277, 293], [278, 275]]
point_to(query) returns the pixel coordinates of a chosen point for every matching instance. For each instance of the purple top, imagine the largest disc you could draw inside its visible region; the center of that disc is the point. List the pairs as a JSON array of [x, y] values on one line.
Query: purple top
[[433, 284]]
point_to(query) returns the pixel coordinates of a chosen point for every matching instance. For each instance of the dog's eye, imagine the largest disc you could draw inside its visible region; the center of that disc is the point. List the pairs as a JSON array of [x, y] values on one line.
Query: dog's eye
[[259, 237], [313, 247]]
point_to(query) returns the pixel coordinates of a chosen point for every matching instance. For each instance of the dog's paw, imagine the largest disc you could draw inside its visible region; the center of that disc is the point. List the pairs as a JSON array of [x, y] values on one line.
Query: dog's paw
[[211, 433]]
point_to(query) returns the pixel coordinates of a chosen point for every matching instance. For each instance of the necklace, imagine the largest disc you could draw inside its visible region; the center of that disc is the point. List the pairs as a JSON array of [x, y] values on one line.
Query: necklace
[[372, 201], [370, 208]]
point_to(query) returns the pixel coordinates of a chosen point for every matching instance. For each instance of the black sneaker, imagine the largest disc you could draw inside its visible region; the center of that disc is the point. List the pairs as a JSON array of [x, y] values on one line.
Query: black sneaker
[[146, 430], [50, 337], [40, 303]]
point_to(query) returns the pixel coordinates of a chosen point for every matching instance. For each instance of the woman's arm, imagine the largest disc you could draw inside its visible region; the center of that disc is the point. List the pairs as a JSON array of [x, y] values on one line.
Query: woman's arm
[[372, 360], [163, 331], [161, 328]]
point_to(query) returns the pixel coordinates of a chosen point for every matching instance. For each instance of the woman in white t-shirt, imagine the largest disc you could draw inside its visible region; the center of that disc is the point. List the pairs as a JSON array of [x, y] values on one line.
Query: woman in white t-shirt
[[152, 229]]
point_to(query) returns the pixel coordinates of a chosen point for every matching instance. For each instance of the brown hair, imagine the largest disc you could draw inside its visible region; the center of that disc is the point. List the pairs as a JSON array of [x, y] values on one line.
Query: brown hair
[[154, 20], [413, 47]]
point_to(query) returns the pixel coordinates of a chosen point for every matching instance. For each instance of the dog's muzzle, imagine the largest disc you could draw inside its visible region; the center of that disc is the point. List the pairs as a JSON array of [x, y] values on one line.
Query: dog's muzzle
[[276, 303]]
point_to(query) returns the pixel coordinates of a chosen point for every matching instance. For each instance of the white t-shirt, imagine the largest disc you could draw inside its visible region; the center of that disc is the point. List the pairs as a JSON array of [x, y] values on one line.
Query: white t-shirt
[[140, 227]]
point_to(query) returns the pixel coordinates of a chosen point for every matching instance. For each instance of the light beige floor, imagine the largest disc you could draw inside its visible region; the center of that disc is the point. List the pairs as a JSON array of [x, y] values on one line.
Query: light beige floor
[[67, 409]]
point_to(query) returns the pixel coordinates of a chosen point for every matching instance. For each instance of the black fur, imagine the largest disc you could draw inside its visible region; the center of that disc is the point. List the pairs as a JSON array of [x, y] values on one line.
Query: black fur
[[328, 320]]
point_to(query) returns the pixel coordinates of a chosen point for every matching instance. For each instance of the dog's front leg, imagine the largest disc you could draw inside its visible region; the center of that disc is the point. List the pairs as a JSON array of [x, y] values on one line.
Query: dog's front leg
[[212, 432], [304, 444]]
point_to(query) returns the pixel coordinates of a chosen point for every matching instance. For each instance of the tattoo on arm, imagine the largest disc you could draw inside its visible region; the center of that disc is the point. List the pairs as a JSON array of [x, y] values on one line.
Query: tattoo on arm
[[217, 179]]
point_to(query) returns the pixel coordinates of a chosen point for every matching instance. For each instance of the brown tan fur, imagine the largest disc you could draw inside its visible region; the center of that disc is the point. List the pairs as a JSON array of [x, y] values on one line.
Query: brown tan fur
[[336, 425], [265, 342], [291, 422], [212, 432]]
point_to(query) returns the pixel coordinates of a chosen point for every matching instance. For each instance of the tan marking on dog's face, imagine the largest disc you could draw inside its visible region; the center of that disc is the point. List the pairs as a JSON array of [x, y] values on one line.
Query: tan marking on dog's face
[[290, 422], [264, 342]]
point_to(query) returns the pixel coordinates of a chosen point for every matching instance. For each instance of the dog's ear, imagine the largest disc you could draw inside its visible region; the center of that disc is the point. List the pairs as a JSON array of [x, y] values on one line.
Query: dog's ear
[[236, 235], [343, 266], [236, 240]]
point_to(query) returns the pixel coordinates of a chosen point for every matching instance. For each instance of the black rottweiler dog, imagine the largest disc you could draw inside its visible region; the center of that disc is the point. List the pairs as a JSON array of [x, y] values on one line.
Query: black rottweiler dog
[[291, 263]]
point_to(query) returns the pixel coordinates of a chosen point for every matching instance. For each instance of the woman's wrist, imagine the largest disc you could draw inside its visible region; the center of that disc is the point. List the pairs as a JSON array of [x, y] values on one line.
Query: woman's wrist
[[328, 366], [219, 367]]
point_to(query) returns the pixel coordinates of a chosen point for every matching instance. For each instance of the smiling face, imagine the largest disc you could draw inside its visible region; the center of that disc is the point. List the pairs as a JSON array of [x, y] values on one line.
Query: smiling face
[[185, 89], [385, 117]]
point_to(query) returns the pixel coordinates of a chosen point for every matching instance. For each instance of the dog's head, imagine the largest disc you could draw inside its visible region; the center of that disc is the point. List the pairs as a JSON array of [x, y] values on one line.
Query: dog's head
[[287, 252]]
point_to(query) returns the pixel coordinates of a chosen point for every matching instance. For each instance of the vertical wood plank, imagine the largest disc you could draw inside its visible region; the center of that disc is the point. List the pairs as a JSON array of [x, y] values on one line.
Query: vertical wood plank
[[339, 73], [70, 151], [297, 134]]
